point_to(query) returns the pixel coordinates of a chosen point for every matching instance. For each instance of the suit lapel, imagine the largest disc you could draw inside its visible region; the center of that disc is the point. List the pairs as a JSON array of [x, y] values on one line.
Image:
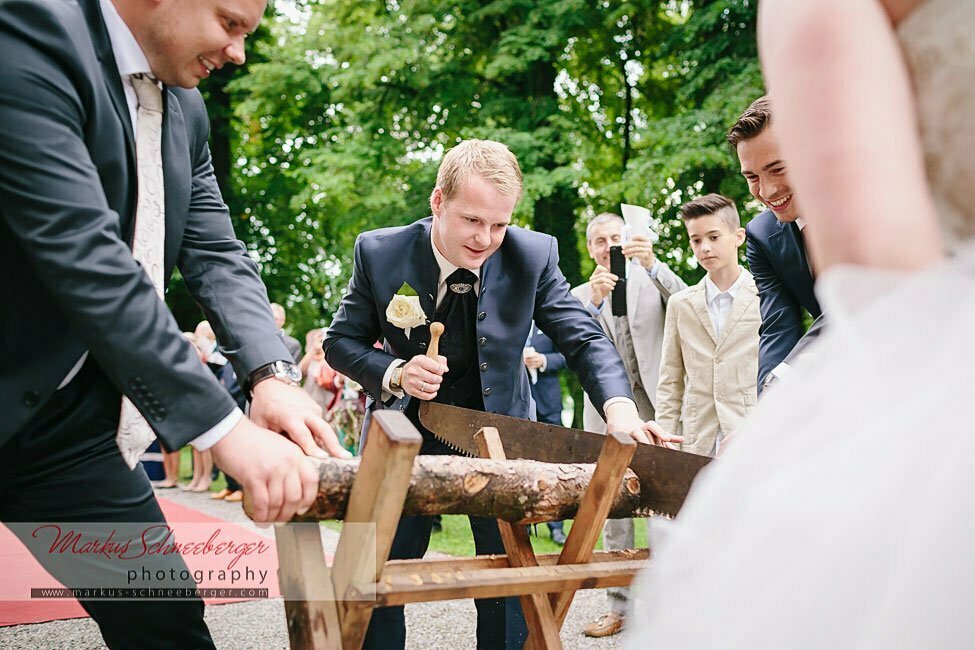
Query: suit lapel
[[743, 299], [700, 304], [633, 284], [425, 276], [786, 244], [113, 84], [606, 317], [176, 177], [486, 278]]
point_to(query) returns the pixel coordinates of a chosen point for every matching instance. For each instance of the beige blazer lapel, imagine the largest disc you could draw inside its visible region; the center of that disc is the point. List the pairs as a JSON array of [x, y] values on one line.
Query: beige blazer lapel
[[743, 300], [584, 293], [633, 287], [700, 304], [607, 320]]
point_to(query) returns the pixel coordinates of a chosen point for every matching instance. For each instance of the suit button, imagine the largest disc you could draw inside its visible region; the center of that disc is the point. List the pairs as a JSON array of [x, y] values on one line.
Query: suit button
[[482, 341], [484, 367], [482, 315], [487, 391], [31, 398], [423, 346]]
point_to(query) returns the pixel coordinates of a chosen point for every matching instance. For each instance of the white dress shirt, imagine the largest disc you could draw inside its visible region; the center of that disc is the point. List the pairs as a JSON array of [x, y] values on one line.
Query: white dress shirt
[[719, 306], [719, 302]]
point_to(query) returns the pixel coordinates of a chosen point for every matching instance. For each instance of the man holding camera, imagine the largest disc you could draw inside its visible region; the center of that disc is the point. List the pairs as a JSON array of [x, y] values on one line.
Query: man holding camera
[[638, 337]]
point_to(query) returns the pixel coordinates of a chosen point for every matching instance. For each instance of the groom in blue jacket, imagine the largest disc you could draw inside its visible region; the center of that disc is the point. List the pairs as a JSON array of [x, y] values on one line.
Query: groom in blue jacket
[[486, 282]]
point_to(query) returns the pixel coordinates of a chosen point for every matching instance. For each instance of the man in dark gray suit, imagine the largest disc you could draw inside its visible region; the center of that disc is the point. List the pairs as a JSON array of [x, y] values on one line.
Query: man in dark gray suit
[[82, 82], [486, 282]]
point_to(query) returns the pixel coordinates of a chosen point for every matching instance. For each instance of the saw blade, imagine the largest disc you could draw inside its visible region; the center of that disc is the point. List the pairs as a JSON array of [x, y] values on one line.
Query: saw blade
[[665, 474]]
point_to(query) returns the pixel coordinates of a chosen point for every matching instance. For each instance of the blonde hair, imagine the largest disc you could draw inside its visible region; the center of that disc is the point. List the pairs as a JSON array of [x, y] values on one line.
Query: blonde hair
[[486, 159]]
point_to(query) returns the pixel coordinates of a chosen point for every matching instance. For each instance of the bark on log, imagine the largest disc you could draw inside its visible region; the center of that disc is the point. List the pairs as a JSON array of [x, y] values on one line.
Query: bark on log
[[519, 491]]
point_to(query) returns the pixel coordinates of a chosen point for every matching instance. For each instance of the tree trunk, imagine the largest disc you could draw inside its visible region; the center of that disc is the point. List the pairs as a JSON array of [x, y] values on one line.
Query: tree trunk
[[520, 491]]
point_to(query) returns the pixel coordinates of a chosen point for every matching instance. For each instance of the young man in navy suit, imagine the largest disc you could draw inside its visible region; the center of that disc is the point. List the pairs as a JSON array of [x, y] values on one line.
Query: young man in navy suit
[[486, 281], [775, 246]]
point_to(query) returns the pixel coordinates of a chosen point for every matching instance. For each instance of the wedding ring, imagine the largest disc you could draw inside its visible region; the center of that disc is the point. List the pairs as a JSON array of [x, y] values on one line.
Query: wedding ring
[[423, 386]]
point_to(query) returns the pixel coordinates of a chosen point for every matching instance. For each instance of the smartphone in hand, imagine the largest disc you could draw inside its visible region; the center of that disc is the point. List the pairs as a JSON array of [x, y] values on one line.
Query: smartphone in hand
[[617, 266]]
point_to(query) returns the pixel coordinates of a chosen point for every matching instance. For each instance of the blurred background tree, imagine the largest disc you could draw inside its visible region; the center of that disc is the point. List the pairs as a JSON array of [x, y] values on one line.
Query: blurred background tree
[[338, 121]]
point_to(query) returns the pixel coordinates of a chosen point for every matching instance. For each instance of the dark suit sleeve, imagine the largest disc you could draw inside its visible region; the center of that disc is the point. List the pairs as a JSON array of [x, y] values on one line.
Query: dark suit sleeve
[[554, 362], [807, 341], [355, 329], [782, 324], [577, 335], [215, 265], [52, 201]]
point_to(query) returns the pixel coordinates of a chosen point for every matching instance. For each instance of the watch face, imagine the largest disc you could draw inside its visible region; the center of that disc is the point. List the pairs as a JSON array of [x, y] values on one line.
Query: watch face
[[288, 371]]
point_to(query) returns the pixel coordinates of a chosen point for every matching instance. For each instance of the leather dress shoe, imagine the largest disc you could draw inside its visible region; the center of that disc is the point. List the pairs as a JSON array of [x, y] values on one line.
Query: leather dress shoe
[[234, 497], [222, 494], [606, 625]]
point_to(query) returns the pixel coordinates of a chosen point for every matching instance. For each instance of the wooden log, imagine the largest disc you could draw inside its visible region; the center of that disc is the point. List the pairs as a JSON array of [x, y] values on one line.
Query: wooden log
[[520, 491]]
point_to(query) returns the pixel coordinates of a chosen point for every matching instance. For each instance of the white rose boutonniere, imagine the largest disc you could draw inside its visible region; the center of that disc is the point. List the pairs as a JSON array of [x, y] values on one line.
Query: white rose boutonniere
[[404, 310]]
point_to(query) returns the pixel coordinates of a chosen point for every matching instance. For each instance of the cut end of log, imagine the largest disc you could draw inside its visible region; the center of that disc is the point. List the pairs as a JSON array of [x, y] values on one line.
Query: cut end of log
[[475, 482], [631, 484]]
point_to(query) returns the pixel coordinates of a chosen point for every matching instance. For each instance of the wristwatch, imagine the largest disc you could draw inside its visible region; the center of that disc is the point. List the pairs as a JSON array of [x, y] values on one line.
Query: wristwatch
[[284, 371], [396, 379]]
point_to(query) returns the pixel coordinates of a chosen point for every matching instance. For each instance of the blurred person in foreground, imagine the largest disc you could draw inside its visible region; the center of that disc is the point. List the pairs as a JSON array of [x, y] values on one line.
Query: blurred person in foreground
[[836, 519]]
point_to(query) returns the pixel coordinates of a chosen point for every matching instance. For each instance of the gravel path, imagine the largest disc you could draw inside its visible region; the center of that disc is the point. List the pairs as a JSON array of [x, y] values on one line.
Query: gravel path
[[261, 624]]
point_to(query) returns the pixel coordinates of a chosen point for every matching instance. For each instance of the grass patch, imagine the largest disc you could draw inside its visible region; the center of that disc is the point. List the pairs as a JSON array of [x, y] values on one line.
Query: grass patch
[[456, 538]]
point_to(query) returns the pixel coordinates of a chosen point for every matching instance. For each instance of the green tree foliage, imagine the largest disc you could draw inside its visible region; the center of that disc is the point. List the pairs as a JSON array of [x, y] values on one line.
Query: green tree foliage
[[347, 107], [341, 123]]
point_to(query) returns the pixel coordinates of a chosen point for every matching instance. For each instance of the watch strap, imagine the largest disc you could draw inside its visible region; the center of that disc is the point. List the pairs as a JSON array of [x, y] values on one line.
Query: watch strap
[[396, 379], [266, 371]]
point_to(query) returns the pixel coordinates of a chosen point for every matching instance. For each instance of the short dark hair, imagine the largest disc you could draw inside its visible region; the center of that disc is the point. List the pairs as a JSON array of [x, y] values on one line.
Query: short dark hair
[[753, 121], [712, 204]]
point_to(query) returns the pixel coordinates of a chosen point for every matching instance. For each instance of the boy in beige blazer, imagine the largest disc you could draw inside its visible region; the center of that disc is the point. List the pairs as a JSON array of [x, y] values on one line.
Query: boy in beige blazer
[[709, 362]]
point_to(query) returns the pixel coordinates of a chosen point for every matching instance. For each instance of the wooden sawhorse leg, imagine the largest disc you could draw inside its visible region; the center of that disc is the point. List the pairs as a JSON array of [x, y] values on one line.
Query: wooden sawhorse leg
[[545, 613], [371, 517]]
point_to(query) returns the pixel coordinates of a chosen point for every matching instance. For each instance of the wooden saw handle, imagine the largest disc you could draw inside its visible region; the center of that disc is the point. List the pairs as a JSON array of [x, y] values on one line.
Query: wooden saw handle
[[436, 329]]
